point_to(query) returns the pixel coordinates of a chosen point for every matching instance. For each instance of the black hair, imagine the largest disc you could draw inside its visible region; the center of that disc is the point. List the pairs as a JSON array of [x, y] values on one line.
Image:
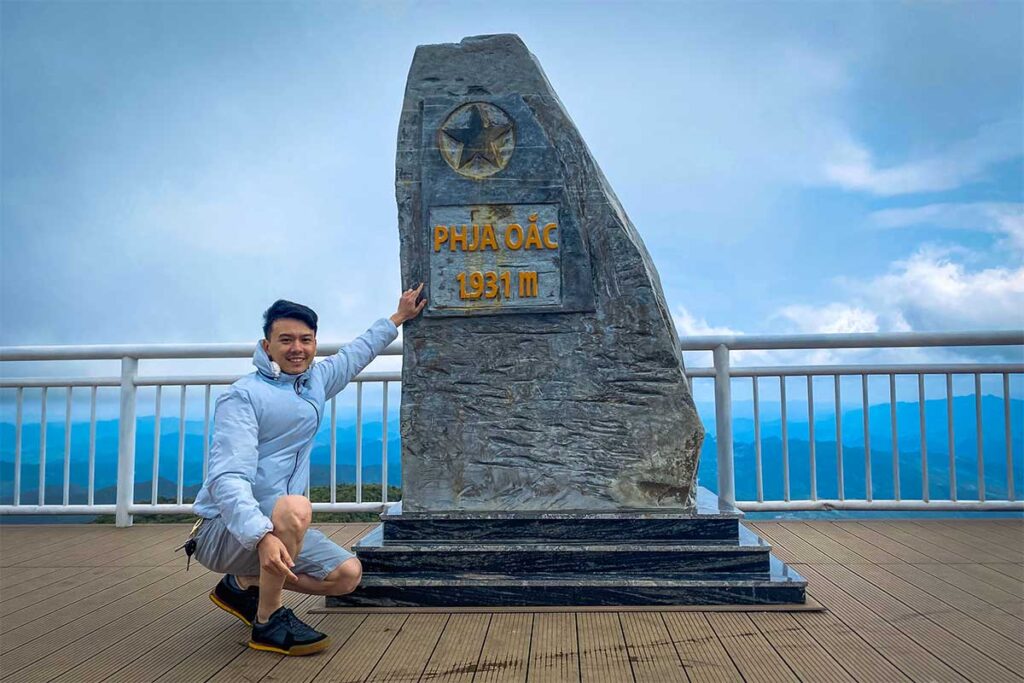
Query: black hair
[[288, 309]]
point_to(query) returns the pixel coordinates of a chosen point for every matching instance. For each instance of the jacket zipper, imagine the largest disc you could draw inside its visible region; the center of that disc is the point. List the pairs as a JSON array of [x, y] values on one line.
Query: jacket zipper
[[317, 429]]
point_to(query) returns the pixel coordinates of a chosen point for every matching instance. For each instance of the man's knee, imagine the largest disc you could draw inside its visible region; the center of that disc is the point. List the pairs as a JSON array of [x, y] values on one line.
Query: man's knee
[[292, 514], [346, 577]]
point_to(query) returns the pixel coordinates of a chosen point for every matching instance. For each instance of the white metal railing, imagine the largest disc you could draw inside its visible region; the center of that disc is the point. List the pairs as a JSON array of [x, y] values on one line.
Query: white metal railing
[[723, 374], [128, 383]]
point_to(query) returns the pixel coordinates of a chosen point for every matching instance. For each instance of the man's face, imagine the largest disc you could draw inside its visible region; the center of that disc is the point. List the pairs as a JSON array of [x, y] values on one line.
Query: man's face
[[292, 345]]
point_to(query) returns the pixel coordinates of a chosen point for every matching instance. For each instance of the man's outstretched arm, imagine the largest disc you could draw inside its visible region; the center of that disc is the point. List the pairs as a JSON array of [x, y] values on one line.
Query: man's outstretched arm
[[339, 369]]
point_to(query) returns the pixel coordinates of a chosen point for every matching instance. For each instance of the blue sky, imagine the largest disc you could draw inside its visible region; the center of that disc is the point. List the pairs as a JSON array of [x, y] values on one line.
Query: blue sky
[[169, 169]]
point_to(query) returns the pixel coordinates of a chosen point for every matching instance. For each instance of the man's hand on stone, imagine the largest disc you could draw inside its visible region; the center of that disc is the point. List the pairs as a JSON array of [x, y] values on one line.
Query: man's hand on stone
[[274, 557], [408, 307]]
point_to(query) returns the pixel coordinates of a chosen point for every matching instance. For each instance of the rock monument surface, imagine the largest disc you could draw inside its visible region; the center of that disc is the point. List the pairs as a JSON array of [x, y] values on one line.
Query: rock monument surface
[[546, 372]]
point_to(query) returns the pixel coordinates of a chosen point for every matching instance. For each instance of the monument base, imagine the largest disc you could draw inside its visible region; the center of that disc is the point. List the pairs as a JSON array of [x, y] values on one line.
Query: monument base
[[520, 559]]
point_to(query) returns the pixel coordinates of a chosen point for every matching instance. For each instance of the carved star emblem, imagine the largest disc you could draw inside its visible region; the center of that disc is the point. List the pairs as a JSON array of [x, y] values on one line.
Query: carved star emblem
[[479, 138]]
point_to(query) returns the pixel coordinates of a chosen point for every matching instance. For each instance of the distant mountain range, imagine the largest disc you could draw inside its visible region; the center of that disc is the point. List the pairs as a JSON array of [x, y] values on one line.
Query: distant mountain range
[[908, 441]]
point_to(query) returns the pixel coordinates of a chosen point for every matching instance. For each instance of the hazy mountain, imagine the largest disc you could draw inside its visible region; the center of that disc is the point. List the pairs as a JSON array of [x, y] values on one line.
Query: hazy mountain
[[907, 428]]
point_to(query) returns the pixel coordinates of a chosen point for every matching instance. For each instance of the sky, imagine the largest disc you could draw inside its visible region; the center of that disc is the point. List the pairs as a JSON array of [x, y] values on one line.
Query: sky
[[171, 168]]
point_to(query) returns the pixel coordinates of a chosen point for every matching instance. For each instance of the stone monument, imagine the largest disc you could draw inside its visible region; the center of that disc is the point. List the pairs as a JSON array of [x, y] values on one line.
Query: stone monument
[[549, 437]]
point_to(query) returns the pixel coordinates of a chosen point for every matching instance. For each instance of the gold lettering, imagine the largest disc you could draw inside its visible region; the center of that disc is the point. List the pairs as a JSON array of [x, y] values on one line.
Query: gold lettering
[[463, 294], [491, 281], [457, 237], [474, 242], [476, 284], [548, 242], [518, 242], [506, 280], [533, 238], [528, 283], [440, 236], [488, 240]]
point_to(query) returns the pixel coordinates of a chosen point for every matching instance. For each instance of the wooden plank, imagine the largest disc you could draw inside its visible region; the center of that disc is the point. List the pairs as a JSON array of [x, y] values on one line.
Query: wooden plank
[[855, 654], [109, 579], [128, 540], [41, 632], [698, 648], [838, 533], [792, 546], [84, 637], [506, 650], [972, 546], [752, 654], [1012, 537], [39, 538], [966, 578], [912, 659], [651, 652], [921, 590], [54, 580], [361, 652], [163, 551], [915, 541], [554, 653], [827, 544], [25, 553], [411, 649], [882, 542], [1014, 571], [24, 578], [109, 663], [457, 652], [993, 577], [804, 656], [932, 630], [603, 654]]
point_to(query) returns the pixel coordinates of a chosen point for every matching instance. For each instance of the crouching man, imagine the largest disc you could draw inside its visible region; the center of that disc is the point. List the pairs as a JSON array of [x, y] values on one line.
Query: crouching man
[[255, 526]]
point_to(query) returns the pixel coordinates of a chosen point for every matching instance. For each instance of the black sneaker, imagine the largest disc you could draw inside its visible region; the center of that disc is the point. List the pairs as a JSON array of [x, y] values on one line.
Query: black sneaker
[[286, 634], [241, 603]]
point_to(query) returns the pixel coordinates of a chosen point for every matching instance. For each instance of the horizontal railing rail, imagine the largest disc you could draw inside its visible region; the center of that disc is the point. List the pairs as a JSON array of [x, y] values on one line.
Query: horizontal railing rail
[[723, 374]]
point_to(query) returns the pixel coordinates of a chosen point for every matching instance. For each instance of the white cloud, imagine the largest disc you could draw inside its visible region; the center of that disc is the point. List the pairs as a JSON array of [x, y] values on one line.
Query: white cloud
[[852, 167], [930, 291], [1005, 219], [834, 318], [689, 325]]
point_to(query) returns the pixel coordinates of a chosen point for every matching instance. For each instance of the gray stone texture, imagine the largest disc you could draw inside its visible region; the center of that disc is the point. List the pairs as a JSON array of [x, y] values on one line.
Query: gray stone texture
[[579, 403]]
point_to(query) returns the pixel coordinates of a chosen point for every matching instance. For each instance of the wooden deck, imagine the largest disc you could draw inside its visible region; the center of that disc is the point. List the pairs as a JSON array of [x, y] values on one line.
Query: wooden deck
[[906, 600]]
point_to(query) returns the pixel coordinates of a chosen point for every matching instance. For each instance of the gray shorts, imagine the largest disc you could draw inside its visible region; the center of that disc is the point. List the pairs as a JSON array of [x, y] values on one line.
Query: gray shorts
[[220, 552]]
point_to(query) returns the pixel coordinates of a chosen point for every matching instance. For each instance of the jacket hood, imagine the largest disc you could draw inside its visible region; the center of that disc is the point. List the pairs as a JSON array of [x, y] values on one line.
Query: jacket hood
[[272, 370]]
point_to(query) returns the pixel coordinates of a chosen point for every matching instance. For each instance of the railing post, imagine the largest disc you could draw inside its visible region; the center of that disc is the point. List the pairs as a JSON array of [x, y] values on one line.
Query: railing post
[[126, 442], [723, 426]]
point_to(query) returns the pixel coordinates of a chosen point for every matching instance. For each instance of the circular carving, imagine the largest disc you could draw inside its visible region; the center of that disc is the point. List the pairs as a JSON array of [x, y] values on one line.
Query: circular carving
[[477, 139]]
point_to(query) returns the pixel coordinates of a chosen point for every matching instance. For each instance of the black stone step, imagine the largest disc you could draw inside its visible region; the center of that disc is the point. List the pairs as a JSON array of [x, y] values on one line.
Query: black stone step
[[748, 554], [709, 522], [781, 586]]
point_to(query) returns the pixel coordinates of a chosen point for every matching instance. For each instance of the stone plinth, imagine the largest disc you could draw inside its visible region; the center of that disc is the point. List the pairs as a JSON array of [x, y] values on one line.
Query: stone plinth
[[642, 557]]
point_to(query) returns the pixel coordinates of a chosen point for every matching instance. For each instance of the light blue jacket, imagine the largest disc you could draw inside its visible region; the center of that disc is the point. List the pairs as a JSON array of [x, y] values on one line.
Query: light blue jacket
[[263, 430]]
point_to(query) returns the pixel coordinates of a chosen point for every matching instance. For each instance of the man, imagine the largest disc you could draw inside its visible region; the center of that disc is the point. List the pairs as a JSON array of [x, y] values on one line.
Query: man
[[255, 516]]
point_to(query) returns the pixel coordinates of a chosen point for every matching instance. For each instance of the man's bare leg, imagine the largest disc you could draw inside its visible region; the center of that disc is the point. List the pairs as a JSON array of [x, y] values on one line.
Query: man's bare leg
[[342, 581], [291, 517]]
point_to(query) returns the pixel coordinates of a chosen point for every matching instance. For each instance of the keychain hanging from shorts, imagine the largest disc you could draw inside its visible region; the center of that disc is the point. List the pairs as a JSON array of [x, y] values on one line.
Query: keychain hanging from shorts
[[189, 545]]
